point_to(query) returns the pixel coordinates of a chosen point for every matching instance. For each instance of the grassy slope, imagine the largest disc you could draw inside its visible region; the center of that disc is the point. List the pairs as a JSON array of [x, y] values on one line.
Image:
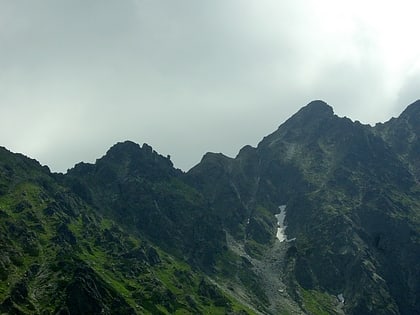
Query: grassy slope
[[57, 253]]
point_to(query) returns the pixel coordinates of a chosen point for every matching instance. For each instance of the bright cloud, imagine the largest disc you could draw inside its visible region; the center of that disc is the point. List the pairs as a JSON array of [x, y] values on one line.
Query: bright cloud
[[194, 76]]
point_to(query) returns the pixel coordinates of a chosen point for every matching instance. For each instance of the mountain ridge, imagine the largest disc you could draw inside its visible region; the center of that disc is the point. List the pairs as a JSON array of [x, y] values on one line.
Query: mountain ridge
[[333, 153], [204, 241]]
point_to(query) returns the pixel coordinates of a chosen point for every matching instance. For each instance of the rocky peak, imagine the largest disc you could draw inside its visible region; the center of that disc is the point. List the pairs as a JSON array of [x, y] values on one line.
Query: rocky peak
[[212, 165], [412, 111], [132, 152], [211, 157], [128, 159], [305, 126], [311, 115], [316, 108], [127, 150]]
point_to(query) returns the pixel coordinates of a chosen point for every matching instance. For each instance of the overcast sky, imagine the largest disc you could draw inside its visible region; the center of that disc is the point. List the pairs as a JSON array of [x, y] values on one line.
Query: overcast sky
[[190, 76]]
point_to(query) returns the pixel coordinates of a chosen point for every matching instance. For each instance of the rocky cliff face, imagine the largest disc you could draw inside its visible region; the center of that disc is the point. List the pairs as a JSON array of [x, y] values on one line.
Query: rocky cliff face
[[402, 135], [141, 190], [131, 234], [352, 199], [60, 255]]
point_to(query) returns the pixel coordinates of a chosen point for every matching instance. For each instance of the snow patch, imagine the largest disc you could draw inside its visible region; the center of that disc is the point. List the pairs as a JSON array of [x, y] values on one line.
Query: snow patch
[[281, 235]]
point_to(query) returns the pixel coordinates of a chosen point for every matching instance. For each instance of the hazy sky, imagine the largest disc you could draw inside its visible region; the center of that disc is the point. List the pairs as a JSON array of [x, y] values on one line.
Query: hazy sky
[[190, 76]]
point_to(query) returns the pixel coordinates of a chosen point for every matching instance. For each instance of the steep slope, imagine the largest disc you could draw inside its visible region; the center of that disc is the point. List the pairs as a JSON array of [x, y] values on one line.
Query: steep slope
[[403, 136], [352, 207], [141, 190], [357, 226], [60, 257], [130, 234]]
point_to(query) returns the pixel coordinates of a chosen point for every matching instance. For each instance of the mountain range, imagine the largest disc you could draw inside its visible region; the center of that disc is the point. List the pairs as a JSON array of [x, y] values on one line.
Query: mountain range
[[321, 217]]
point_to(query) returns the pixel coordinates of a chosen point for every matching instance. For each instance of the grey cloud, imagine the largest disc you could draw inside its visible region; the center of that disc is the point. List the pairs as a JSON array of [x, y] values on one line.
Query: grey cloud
[[185, 76]]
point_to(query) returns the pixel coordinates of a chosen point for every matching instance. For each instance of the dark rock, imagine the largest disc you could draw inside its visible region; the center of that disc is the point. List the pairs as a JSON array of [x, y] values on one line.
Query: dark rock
[[8, 307], [64, 235], [22, 206], [88, 294], [153, 256], [19, 293]]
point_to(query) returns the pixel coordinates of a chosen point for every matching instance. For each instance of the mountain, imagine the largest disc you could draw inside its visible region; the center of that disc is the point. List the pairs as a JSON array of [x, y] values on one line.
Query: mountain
[[141, 190], [60, 255], [353, 205], [132, 234]]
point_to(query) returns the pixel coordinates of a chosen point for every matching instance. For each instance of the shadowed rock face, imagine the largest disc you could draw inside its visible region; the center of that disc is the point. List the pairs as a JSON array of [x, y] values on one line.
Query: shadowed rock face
[[88, 294], [402, 134], [352, 196], [141, 190], [130, 234], [63, 254]]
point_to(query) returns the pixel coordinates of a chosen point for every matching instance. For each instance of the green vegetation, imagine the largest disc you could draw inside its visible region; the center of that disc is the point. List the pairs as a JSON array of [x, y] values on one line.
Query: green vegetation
[[131, 234], [318, 303], [60, 255]]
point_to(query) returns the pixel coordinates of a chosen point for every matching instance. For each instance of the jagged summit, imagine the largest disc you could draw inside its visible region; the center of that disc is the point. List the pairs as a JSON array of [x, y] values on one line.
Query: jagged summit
[[308, 122], [311, 114], [128, 159], [132, 151], [316, 107], [129, 148]]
